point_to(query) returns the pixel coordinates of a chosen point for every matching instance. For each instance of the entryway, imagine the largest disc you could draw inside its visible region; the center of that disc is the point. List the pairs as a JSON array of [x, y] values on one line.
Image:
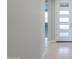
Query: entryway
[[60, 20]]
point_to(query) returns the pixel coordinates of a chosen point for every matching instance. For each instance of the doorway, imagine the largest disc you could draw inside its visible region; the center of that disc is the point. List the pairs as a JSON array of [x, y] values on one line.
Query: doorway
[[60, 20], [63, 20]]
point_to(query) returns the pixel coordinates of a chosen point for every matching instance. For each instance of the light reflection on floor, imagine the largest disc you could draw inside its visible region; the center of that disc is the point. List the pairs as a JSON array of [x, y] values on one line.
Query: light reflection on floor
[[46, 43], [63, 50], [59, 51]]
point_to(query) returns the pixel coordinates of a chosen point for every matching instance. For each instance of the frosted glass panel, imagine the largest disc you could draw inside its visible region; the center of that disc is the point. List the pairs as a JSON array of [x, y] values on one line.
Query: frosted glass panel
[[64, 4], [64, 19], [46, 17], [64, 26], [64, 12], [63, 34]]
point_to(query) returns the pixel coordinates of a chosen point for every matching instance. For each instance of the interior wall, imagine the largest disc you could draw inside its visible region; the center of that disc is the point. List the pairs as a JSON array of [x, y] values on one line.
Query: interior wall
[[24, 19], [51, 19]]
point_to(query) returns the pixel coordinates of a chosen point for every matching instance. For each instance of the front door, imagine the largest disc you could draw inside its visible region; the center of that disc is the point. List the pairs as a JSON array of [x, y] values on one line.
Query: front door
[[63, 20]]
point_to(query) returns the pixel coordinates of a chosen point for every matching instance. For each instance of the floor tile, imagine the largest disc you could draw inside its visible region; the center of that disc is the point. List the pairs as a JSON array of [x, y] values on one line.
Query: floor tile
[[59, 51]]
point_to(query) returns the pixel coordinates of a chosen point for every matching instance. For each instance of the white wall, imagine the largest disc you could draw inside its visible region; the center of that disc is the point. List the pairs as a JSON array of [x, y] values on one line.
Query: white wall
[[24, 19], [51, 19]]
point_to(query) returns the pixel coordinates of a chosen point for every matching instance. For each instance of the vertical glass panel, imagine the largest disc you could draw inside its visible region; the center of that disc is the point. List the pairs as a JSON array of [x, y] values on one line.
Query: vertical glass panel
[[64, 26], [64, 19], [46, 21], [46, 17], [64, 12], [64, 34]]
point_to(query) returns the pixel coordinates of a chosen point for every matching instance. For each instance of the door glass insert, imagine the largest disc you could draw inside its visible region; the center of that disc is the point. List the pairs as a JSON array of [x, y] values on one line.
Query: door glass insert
[[64, 34], [64, 19], [64, 4], [64, 12], [64, 26]]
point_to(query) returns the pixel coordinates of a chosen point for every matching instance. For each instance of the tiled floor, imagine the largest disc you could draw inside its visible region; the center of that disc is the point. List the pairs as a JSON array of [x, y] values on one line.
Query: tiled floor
[[59, 51]]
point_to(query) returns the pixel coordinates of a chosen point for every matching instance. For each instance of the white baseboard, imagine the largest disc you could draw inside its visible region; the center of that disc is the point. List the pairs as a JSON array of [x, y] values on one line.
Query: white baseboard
[[52, 41]]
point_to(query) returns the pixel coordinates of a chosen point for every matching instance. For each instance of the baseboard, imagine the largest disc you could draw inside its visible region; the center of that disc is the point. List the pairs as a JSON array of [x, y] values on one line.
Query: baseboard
[[63, 41], [52, 41]]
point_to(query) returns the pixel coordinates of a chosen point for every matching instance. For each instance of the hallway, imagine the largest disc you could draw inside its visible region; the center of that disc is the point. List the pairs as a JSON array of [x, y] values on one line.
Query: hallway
[[59, 51]]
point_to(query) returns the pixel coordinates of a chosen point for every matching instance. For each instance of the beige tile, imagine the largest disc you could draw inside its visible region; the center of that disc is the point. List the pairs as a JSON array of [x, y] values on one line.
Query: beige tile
[[59, 51], [67, 57]]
